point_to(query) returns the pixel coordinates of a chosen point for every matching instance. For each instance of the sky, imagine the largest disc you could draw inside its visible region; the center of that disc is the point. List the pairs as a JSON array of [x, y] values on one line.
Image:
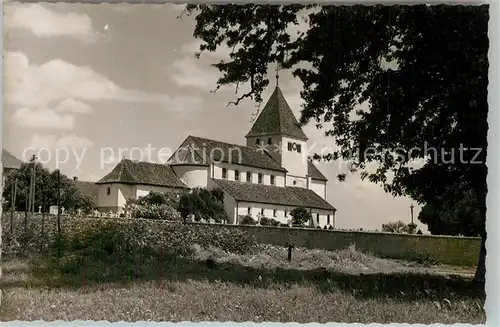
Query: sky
[[86, 85]]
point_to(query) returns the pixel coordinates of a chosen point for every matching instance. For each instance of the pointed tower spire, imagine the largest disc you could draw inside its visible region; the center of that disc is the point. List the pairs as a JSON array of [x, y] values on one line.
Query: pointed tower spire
[[277, 118]]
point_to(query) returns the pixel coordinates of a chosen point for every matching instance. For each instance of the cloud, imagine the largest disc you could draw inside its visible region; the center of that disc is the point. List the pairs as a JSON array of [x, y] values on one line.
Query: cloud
[[42, 118], [42, 141], [73, 141], [183, 104], [185, 72], [190, 48], [36, 86], [188, 71], [53, 141], [73, 106], [45, 23]]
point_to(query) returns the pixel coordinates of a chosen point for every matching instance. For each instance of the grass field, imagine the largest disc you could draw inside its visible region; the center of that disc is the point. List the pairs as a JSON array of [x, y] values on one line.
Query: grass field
[[316, 286]]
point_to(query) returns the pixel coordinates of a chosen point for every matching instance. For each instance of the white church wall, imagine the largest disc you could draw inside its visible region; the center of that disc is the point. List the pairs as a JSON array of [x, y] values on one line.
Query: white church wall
[[105, 199], [192, 176], [318, 187], [295, 181], [293, 161], [279, 177], [283, 213], [323, 217], [116, 197]]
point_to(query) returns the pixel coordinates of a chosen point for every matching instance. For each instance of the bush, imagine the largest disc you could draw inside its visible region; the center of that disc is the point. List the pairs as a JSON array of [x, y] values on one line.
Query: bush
[[118, 239], [264, 221], [155, 205], [248, 220], [203, 204], [300, 216]]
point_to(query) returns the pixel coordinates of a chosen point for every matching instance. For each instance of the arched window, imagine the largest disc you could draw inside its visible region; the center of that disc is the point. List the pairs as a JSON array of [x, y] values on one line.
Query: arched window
[[272, 179], [224, 173], [249, 176], [236, 175], [260, 178]]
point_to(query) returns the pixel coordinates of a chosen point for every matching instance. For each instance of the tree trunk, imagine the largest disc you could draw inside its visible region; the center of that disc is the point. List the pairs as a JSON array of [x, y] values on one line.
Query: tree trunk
[[481, 190], [480, 275]]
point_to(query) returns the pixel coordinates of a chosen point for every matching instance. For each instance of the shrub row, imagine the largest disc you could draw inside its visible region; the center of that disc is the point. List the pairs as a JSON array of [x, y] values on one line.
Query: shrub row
[[119, 237]]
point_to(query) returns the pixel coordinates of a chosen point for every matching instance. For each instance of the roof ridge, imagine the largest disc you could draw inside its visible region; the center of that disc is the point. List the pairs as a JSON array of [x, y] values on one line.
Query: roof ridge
[[239, 145]]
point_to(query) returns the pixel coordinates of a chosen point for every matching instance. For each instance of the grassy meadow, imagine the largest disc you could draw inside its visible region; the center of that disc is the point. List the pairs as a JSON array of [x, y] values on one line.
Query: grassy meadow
[[190, 275]]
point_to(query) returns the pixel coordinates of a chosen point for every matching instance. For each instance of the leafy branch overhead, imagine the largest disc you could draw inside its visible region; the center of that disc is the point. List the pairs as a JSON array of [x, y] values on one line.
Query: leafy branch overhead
[[412, 64]]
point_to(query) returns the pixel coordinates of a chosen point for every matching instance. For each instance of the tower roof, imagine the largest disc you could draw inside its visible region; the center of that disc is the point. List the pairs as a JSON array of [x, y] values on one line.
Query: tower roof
[[9, 161], [277, 118]]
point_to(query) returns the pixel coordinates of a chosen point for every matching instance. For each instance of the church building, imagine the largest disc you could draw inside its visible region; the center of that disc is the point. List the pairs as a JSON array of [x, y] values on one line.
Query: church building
[[269, 176]]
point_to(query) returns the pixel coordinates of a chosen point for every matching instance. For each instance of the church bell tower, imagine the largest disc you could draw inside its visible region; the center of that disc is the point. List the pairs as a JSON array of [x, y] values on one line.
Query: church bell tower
[[278, 132]]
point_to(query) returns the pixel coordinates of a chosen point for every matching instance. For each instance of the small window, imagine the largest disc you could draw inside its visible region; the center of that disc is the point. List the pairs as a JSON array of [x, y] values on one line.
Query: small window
[[249, 210], [257, 141], [224, 173], [299, 148], [108, 191], [328, 219], [249, 176], [262, 211], [317, 218], [275, 213], [269, 141], [290, 147], [272, 179], [236, 175], [286, 213], [260, 178]]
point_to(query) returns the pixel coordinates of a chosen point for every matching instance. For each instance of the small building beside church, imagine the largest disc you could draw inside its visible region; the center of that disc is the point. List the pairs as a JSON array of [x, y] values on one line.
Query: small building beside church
[[269, 176], [130, 180]]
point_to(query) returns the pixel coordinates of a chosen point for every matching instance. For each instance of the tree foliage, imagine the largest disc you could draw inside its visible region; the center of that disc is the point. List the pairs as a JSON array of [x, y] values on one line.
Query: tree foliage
[[421, 73], [155, 205], [46, 189], [203, 204], [454, 212], [300, 216], [399, 227], [248, 220], [264, 221]]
